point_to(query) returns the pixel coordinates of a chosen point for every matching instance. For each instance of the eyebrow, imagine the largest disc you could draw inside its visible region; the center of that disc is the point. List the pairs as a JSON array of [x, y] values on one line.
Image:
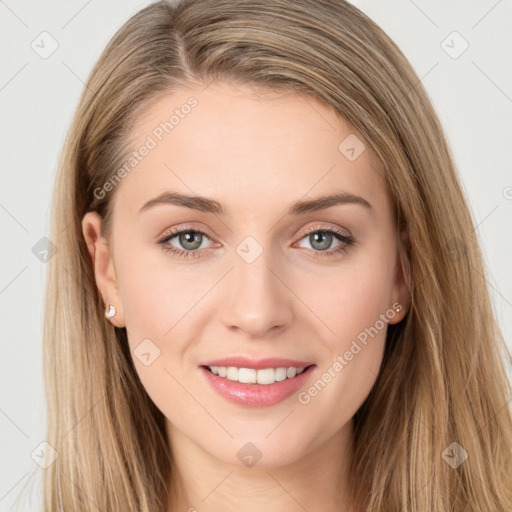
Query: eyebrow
[[206, 205]]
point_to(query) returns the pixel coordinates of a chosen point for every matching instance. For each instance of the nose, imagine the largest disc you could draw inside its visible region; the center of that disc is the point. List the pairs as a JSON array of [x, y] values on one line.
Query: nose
[[257, 300]]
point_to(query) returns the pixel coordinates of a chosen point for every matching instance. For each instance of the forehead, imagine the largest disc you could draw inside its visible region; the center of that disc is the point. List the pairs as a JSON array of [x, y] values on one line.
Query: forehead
[[249, 148]]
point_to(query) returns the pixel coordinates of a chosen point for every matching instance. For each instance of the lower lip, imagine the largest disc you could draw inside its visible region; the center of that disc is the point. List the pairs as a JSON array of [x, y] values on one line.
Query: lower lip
[[257, 395]]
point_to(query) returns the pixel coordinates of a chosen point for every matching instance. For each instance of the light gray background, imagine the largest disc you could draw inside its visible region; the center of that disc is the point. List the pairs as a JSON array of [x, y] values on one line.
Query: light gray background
[[472, 94]]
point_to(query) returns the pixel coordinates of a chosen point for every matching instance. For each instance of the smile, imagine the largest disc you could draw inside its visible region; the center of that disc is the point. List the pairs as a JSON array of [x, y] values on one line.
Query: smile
[[264, 376], [263, 388]]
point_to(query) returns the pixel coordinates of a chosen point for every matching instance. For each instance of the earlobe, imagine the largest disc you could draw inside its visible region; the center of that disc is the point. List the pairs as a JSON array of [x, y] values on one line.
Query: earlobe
[[102, 263], [400, 304]]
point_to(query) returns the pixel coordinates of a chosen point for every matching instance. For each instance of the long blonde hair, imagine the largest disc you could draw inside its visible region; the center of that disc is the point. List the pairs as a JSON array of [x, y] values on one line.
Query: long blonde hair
[[442, 380]]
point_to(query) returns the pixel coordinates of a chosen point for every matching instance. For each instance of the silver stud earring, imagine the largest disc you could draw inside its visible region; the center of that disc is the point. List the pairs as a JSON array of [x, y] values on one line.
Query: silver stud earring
[[398, 308], [111, 312]]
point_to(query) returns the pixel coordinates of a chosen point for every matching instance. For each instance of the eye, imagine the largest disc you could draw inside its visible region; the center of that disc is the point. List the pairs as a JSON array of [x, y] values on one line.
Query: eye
[[190, 239], [321, 238]]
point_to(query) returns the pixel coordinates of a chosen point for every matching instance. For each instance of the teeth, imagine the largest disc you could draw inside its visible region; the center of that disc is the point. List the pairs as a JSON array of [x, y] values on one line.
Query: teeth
[[265, 376], [251, 376], [280, 374], [247, 375], [232, 373]]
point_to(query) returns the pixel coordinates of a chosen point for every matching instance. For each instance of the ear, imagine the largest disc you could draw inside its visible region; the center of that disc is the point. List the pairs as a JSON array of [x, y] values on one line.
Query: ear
[[401, 297], [103, 265]]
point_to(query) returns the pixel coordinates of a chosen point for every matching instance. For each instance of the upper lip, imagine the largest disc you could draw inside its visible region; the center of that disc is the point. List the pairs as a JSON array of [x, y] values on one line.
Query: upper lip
[[257, 364]]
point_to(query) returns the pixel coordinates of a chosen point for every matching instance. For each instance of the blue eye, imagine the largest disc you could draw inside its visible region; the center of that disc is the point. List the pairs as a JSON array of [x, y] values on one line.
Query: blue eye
[[192, 240]]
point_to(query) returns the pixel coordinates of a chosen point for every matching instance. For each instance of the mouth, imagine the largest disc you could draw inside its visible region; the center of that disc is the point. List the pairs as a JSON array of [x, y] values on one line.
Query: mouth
[[260, 387]]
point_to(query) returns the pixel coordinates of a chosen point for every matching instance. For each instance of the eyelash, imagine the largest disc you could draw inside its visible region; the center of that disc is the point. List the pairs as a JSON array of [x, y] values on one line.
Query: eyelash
[[182, 253]]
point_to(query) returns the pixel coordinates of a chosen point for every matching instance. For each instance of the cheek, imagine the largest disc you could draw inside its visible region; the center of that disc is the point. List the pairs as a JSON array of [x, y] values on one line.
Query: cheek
[[155, 292], [354, 306], [353, 296], [158, 303], [163, 310], [353, 357]]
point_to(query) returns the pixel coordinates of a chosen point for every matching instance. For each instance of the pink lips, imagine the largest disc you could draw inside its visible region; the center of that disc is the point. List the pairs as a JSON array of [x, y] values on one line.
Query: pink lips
[[257, 395]]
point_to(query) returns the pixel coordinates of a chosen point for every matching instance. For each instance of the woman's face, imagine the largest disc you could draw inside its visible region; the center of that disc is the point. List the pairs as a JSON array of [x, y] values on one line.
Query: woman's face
[[258, 272]]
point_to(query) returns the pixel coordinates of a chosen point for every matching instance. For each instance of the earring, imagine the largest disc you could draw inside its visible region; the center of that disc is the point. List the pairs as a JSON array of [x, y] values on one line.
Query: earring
[[398, 308], [111, 312]]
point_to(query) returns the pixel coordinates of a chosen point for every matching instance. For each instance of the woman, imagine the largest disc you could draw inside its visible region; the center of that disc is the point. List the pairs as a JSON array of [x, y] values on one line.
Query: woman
[[268, 291]]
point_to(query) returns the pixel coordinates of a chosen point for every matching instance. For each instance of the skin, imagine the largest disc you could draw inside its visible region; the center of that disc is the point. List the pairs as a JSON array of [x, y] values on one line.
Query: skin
[[256, 154]]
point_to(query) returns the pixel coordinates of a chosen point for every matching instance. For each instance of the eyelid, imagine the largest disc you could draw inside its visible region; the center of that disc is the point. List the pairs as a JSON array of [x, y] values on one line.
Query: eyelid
[[182, 228], [324, 227]]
